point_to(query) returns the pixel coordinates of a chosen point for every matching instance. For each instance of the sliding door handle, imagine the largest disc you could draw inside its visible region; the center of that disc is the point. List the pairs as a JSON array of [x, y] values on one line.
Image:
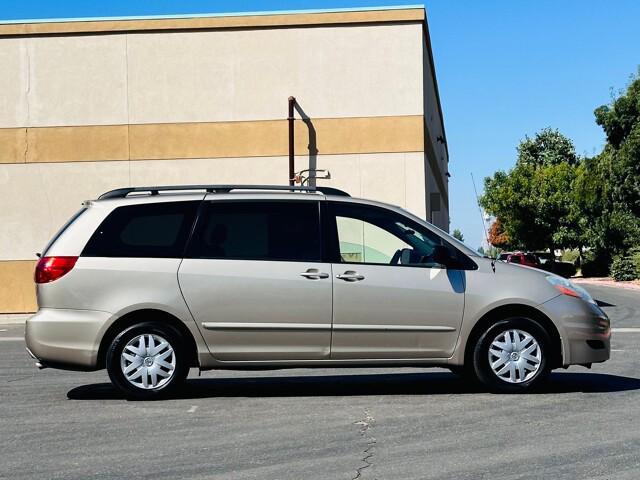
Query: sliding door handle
[[314, 274]]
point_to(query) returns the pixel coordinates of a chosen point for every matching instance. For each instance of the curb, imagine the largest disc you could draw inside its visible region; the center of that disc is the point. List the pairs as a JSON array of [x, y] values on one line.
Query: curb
[[607, 283]]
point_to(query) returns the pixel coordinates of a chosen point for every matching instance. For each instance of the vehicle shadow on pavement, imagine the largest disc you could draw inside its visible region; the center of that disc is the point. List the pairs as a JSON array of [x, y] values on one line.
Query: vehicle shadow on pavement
[[436, 383], [602, 303]]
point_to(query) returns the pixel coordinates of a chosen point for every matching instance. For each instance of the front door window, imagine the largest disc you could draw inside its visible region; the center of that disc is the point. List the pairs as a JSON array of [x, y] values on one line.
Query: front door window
[[374, 236]]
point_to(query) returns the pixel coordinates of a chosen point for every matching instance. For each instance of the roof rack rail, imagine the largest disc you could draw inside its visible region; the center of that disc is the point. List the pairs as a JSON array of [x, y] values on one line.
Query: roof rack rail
[[123, 192]]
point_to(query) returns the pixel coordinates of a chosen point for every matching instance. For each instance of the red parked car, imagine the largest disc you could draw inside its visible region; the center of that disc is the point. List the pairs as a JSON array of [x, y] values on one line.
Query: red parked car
[[528, 259]]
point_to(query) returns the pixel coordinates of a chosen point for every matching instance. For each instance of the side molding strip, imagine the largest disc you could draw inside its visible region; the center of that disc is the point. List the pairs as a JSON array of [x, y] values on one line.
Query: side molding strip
[[393, 328], [322, 326], [265, 326]]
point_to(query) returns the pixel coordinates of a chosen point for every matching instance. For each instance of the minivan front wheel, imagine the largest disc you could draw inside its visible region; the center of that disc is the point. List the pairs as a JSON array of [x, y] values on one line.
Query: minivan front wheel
[[512, 355], [147, 360]]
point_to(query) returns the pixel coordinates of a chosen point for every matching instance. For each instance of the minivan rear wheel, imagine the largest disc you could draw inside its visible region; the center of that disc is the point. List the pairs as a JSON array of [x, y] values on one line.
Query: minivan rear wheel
[[147, 360], [512, 355]]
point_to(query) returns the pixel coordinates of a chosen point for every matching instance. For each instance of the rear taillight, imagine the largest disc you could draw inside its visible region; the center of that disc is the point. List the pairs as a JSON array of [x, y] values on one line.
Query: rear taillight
[[49, 269]]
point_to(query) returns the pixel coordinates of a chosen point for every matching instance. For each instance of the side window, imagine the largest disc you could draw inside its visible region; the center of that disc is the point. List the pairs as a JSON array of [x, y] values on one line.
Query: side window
[[363, 242], [377, 236], [515, 259], [248, 230], [151, 230], [62, 230]]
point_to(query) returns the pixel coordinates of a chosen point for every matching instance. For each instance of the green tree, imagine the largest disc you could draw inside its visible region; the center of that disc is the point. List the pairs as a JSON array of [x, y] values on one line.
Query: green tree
[[614, 175], [492, 252], [548, 147], [457, 234], [594, 206], [554, 199], [534, 199]]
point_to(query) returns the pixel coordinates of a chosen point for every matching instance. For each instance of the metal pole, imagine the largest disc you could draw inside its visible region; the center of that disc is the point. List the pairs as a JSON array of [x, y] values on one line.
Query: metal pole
[[292, 102]]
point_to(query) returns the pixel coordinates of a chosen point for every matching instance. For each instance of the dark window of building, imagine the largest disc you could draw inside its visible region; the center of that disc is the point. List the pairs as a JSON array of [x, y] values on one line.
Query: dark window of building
[[151, 230], [258, 231]]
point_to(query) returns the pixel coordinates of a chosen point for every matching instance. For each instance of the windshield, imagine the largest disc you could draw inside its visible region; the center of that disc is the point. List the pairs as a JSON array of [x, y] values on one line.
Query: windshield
[[467, 250], [457, 243]]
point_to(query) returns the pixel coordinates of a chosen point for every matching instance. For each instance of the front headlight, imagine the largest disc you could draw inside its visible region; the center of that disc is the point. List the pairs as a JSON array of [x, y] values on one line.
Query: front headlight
[[565, 287]]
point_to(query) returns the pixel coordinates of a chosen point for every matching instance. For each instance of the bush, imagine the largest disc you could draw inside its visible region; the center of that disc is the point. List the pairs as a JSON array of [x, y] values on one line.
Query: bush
[[634, 254], [570, 256], [564, 269], [623, 269], [595, 266]]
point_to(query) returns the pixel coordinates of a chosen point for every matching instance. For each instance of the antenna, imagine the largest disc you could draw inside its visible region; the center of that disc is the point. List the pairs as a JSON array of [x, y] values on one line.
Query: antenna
[[486, 234]]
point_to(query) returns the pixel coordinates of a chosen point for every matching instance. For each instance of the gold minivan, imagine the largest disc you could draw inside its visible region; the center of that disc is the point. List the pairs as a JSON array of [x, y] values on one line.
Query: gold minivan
[[148, 282]]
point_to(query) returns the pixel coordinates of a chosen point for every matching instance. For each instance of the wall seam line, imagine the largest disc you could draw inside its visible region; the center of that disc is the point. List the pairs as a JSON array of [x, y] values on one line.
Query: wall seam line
[[127, 98]]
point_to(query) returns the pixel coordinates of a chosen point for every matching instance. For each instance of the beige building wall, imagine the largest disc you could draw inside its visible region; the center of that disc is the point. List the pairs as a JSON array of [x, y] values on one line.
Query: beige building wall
[[200, 101]]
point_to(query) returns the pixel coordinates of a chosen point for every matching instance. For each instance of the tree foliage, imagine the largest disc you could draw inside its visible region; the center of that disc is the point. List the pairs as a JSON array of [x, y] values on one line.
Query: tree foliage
[[457, 234], [533, 200], [548, 147], [607, 193], [552, 198], [497, 236]]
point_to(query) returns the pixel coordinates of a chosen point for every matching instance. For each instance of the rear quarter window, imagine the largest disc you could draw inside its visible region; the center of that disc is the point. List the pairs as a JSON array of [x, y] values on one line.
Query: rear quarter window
[[62, 230], [152, 230]]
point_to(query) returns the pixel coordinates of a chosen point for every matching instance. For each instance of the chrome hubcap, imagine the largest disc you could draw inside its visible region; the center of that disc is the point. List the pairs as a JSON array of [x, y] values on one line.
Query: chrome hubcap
[[148, 361], [515, 356]]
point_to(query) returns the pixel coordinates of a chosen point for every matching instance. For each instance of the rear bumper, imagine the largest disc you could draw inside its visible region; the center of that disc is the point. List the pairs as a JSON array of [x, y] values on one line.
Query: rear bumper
[[62, 338], [585, 330]]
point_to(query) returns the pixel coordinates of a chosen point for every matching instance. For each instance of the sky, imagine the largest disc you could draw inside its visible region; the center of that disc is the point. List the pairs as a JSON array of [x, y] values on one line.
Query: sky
[[505, 69]]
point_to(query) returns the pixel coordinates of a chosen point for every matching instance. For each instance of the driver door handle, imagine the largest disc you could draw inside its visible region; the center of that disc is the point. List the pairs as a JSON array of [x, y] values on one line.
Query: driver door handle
[[350, 276]]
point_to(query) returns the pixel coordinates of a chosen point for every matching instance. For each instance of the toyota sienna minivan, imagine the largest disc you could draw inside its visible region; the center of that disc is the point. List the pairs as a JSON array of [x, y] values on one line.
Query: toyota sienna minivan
[[148, 282]]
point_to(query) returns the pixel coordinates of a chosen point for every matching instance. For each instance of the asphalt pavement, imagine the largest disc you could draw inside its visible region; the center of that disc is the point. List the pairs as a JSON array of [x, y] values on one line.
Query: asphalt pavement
[[327, 423]]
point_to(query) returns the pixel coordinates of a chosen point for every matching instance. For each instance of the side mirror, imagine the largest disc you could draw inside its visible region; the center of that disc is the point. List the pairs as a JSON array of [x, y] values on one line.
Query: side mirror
[[442, 255]]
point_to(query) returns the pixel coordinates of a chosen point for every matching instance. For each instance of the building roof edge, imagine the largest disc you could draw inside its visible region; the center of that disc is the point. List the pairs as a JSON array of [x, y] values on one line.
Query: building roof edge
[[213, 21]]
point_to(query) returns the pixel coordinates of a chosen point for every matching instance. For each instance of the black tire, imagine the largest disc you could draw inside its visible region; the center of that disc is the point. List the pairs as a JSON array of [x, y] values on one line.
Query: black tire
[[481, 363], [180, 358]]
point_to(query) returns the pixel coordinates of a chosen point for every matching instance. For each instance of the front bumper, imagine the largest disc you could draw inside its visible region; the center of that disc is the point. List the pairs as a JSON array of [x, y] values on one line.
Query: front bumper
[[585, 330], [63, 338]]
